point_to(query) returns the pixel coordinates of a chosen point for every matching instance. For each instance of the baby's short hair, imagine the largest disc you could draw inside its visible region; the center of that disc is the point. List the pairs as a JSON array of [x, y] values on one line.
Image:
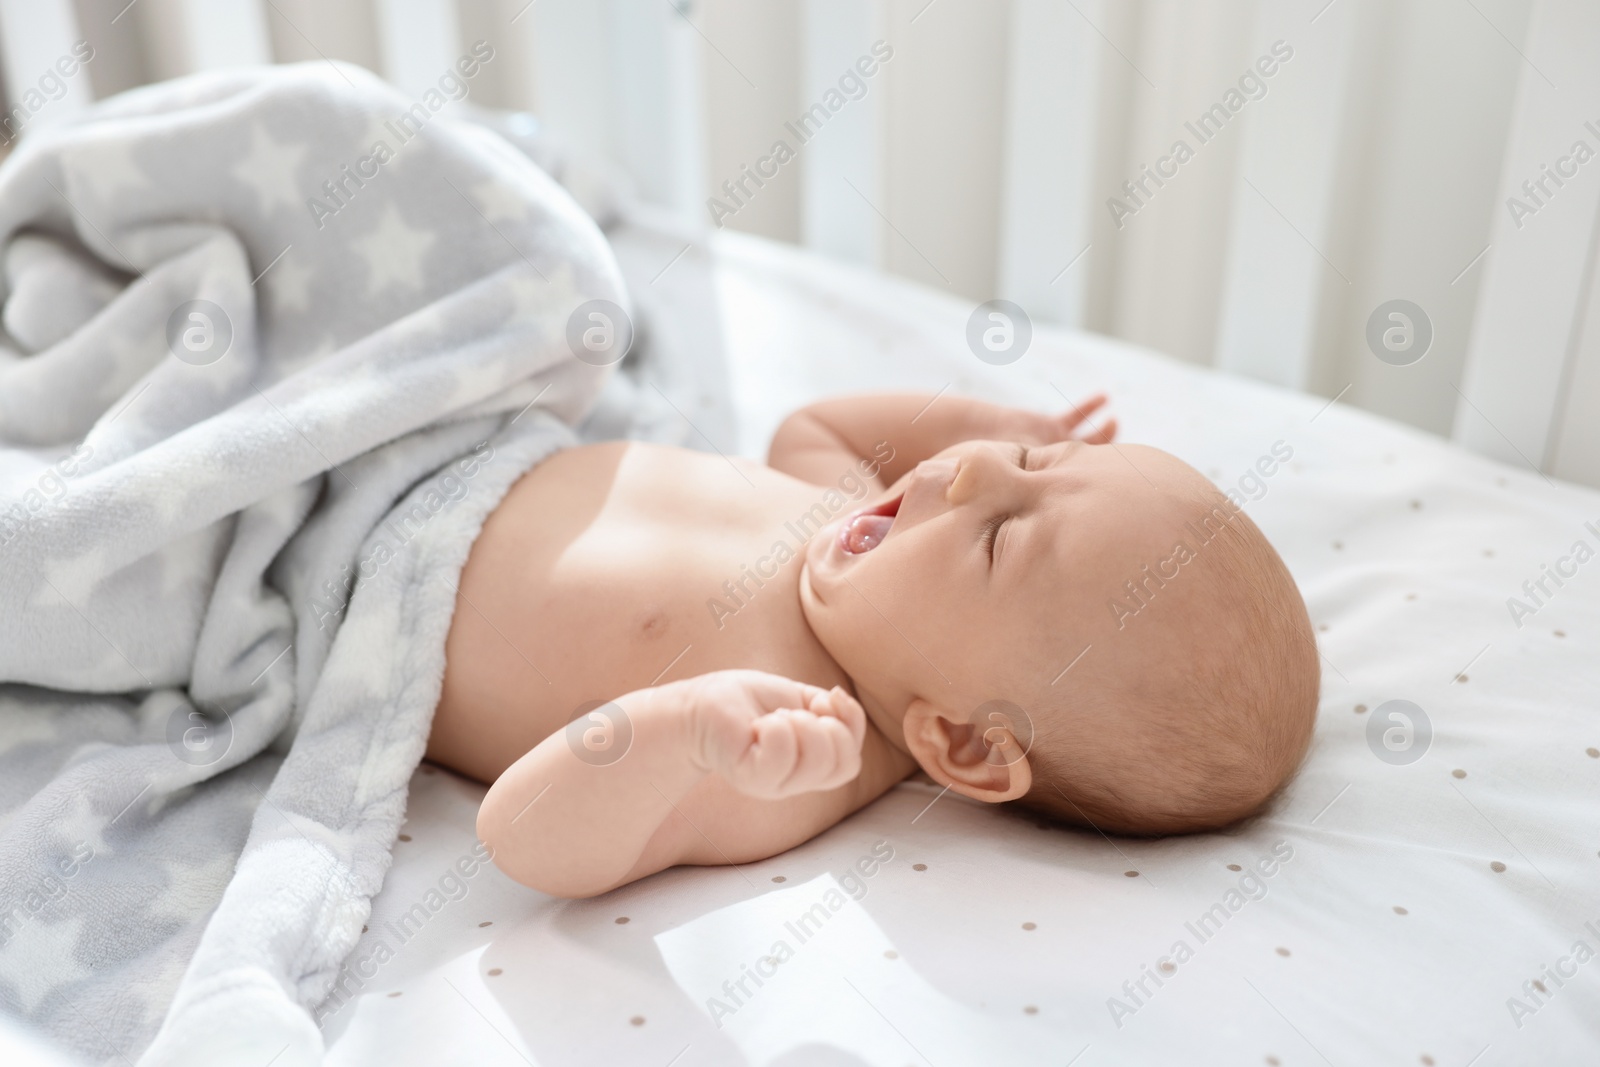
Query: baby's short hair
[[1198, 741]]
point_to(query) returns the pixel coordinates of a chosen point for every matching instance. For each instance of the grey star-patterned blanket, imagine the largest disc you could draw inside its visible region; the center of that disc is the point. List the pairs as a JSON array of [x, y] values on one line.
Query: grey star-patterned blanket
[[275, 342]]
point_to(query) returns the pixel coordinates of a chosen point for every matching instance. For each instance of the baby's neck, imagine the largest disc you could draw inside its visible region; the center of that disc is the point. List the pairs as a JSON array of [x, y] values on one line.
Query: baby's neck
[[878, 707]]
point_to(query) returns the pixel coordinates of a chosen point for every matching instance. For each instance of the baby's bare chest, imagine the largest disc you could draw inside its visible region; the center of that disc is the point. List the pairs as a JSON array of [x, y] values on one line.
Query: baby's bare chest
[[612, 568]]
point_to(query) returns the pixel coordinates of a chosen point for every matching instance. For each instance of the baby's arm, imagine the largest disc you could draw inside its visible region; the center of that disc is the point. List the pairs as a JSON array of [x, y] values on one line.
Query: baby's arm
[[822, 441], [725, 768]]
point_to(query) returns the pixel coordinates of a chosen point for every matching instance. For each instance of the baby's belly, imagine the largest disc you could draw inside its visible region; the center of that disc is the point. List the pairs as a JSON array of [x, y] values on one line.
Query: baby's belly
[[598, 575]]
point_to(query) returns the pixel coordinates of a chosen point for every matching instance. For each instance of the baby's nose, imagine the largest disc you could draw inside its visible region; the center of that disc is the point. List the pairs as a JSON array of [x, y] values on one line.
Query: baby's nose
[[969, 480], [982, 471]]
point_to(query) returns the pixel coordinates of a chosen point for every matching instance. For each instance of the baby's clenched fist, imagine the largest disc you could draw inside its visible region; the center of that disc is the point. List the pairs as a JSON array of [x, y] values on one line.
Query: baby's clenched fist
[[772, 737]]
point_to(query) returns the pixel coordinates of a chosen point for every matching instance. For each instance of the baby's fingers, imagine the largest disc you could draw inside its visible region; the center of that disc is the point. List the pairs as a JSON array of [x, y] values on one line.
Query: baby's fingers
[[1102, 435], [1081, 411], [1076, 426], [846, 752], [829, 754], [799, 752], [851, 713], [841, 706], [771, 758]]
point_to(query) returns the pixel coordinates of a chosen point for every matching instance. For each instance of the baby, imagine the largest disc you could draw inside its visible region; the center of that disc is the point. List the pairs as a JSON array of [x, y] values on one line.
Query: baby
[[747, 654]]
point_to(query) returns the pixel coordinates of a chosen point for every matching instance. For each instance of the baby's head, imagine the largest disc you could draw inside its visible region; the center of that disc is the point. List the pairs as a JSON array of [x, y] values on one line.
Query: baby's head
[[1093, 631]]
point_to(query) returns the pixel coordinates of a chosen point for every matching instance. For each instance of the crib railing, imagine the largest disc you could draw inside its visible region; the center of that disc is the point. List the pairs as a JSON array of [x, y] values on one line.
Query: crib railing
[[1338, 157]]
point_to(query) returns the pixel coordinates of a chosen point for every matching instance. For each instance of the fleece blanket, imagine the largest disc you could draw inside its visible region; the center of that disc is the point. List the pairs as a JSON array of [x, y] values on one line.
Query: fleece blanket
[[275, 343]]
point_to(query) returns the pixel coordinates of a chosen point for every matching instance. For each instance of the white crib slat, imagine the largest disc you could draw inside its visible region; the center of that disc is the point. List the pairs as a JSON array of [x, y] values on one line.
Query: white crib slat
[[744, 124], [419, 40], [657, 94], [1050, 148], [1275, 278], [620, 80], [305, 31], [184, 36], [836, 219], [226, 33], [572, 74], [1535, 286], [509, 27], [1575, 451], [34, 34]]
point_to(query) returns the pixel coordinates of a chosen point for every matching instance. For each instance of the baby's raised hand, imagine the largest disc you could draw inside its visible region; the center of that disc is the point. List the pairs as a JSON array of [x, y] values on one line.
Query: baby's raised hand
[[772, 737], [1074, 425], [995, 423]]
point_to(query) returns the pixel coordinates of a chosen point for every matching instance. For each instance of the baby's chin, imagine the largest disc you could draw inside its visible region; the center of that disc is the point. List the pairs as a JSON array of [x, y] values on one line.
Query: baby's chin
[[824, 565], [808, 595], [817, 607]]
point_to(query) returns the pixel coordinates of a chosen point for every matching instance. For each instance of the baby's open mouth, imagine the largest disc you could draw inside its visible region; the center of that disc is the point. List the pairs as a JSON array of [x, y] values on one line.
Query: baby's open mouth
[[866, 529]]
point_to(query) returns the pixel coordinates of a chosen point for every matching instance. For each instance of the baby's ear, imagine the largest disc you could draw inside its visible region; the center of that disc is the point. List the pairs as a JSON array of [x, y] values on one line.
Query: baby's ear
[[984, 760]]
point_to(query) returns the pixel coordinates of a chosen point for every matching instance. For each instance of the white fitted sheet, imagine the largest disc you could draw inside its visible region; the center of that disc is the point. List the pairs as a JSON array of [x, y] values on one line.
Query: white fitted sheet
[[988, 938]]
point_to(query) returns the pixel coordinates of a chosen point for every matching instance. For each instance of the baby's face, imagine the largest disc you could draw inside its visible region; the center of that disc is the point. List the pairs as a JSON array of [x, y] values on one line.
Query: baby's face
[[985, 571]]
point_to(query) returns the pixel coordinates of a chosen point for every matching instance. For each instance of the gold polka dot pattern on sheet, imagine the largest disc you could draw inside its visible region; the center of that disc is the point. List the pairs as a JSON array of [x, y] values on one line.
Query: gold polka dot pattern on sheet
[[1234, 867], [405, 837], [1458, 773], [486, 922], [1282, 951], [621, 920], [779, 878], [396, 993], [1030, 1009], [495, 972], [1594, 753], [1030, 926], [1130, 874], [1361, 709], [919, 866], [1497, 867], [890, 954], [1398, 910], [637, 1020]]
